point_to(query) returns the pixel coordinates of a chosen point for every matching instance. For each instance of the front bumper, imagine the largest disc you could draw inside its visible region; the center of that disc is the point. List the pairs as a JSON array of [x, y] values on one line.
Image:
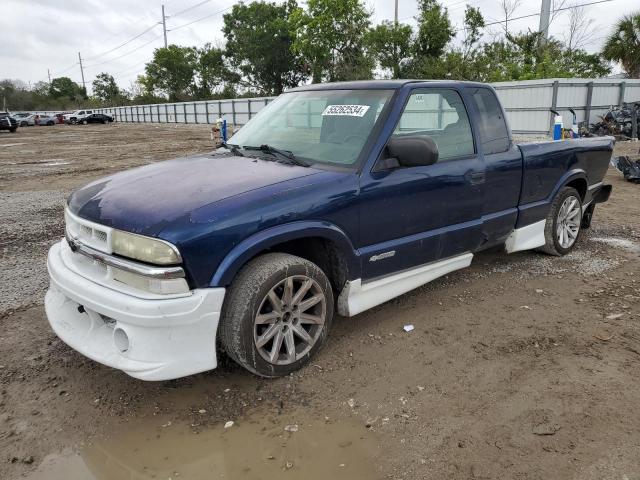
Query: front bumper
[[149, 339]]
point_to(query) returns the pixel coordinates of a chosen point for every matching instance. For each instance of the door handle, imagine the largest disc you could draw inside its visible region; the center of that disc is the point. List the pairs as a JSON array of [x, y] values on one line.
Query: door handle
[[476, 178]]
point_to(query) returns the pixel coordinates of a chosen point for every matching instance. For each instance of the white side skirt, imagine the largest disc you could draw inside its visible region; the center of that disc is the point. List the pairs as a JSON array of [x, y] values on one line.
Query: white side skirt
[[526, 238], [357, 297]]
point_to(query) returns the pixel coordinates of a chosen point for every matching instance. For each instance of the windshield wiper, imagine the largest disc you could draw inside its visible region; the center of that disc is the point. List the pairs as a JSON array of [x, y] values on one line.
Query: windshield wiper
[[232, 148], [287, 155]]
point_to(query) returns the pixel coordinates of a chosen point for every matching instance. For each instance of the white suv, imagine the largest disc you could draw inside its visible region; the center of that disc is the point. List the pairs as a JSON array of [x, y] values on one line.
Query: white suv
[[76, 116]]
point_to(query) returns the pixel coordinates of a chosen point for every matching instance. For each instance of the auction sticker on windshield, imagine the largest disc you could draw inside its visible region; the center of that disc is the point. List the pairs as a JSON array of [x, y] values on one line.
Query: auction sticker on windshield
[[346, 110]]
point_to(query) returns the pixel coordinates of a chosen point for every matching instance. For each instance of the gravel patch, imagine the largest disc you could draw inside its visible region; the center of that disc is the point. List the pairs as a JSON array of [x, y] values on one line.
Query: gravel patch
[[30, 222]]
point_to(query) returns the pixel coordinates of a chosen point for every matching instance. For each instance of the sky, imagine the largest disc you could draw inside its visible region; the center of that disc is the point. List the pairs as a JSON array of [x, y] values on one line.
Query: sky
[[37, 35]]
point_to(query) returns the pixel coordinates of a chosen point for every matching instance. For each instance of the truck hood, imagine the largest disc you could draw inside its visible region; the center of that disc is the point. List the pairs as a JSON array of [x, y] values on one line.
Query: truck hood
[[147, 199]]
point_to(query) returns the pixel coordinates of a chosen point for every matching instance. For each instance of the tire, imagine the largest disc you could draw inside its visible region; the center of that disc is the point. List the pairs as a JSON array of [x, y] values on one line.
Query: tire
[[24, 124], [103, 121], [13, 129], [561, 242], [73, 121], [84, 122], [250, 296]]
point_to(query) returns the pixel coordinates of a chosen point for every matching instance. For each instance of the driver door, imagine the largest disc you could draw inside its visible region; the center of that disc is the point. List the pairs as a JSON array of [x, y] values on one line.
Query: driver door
[[412, 216]]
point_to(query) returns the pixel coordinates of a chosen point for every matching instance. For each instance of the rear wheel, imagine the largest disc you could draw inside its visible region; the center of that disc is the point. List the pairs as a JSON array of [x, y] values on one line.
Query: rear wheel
[[84, 122], [562, 228], [277, 314]]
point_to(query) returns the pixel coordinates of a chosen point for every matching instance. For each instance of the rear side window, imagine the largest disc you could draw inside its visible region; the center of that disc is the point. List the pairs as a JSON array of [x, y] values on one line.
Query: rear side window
[[441, 115], [493, 128]]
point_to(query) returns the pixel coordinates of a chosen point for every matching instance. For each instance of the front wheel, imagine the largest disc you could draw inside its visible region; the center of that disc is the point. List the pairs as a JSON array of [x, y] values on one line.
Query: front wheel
[[277, 314], [563, 223]]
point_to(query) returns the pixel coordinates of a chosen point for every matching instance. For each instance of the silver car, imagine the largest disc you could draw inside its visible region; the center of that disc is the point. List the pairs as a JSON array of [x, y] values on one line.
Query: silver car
[[34, 119]]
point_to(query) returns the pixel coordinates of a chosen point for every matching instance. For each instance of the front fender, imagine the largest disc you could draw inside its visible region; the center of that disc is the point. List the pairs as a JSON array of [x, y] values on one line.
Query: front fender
[[265, 239]]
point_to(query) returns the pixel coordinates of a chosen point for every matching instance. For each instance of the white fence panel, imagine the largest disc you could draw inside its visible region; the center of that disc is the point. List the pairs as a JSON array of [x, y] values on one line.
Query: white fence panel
[[527, 104]]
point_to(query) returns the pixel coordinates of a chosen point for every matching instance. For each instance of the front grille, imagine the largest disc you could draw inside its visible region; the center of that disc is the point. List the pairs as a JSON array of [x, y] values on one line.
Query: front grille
[[89, 233]]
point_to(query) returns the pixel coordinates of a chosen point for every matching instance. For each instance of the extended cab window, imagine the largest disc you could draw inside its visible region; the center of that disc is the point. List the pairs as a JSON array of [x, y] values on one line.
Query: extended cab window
[[493, 128], [441, 115]]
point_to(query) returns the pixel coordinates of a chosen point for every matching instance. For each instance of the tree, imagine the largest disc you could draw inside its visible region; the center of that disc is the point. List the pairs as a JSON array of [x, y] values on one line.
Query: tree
[[467, 63], [434, 29], [390, 45], [211, 73], [65, 87], [434, 34], [330, 36], [580, 29], [171, 72], [106, 89], [508, 8], [259, 44], [623, 45]]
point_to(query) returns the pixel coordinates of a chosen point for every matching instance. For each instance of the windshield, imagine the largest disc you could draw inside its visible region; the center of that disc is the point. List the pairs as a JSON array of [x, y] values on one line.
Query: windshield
[[323, 126]]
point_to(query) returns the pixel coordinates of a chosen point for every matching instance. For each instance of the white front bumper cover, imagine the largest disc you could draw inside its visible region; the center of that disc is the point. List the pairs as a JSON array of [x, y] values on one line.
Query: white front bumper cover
[[165, 338]]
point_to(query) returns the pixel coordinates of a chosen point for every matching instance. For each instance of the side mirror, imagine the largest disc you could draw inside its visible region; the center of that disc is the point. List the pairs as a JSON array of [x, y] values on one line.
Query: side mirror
[[413, 150]]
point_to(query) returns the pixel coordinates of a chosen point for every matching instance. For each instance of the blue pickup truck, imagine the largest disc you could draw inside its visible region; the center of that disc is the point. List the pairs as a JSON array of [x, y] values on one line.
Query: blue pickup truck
[[334, 198]]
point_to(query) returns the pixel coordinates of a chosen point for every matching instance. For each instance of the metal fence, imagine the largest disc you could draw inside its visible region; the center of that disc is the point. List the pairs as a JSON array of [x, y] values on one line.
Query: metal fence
[[527, 104]]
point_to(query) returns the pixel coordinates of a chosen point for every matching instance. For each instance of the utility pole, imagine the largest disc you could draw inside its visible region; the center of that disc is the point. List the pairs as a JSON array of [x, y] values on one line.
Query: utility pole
[[164, 26], [82, 73], [396, 13], [545, 14], [49, 75]]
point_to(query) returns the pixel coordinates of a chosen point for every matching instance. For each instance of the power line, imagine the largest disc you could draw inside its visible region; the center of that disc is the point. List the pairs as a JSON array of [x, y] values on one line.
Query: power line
[[124, 54], [200, 19], [65, 70], [125, 43], [190, 8], [538, 13]]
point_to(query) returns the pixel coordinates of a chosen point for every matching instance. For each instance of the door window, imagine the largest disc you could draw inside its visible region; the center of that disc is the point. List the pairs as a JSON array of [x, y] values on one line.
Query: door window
[[441, 115], [493, 128]]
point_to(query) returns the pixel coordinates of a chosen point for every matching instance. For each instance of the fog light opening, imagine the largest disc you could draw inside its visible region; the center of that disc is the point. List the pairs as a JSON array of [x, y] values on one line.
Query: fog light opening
[[121, 340]]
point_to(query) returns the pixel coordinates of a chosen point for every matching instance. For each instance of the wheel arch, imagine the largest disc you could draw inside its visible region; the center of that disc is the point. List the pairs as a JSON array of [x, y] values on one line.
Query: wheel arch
[[576, 178], [322, 243]]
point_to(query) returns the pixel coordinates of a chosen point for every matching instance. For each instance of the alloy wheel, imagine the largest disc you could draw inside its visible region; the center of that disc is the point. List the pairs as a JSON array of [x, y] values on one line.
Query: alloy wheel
[[290, 320], [568, 221]]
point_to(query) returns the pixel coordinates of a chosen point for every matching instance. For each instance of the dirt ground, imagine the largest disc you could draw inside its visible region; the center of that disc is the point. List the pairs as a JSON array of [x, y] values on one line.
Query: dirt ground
[[522, 366]]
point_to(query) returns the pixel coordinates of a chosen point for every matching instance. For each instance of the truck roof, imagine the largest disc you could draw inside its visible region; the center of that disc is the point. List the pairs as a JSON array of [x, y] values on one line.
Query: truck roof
[[377, 84]]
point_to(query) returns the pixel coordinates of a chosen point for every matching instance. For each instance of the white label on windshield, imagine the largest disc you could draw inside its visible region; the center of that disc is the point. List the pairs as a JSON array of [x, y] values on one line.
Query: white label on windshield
[[346, 110]]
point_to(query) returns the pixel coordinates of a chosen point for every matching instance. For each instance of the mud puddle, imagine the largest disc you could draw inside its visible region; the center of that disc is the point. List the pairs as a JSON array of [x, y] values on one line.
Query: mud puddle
[[268, 446]]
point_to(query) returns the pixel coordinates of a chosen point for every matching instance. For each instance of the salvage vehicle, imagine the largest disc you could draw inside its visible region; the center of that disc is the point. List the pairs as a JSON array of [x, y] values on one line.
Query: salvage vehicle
[[8, 122], [334, 198], [77, 116], [97, 118]]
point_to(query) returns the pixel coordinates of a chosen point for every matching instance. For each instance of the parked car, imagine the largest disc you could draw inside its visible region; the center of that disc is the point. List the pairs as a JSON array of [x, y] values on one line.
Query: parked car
[[47, 120], [20, 115], [28, 121], [335, 197], [8, 122], [37, 119], [96, 118], [77, 116]]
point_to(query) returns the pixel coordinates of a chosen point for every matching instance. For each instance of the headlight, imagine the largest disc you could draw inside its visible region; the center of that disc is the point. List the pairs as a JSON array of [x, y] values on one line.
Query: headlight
[[145, 249]]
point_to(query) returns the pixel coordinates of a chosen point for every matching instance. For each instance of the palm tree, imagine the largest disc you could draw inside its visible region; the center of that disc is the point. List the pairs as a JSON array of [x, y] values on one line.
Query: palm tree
[[623, 45]]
